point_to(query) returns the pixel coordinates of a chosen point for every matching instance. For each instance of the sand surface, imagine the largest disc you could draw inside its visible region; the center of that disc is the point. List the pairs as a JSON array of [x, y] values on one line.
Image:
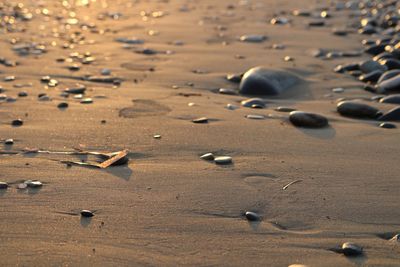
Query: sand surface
[[167, 207]]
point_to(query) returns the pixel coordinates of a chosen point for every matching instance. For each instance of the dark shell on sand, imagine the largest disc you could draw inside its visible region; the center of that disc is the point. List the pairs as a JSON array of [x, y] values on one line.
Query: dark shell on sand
[[262, 81], [309, 120], [391, 115], [357, 110]]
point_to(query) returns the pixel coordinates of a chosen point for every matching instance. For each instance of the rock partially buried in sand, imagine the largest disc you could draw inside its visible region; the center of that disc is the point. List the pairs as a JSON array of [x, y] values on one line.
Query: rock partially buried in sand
[[207, 156], [357, 110], [253, 103], [262, 81], [351, 249], [252, 216], [391, 115], [87, 213], [284, 109], [308, 120], [253, 38], [200, 120], [17, 122], [387, 125], [3, 185], [223, 160]]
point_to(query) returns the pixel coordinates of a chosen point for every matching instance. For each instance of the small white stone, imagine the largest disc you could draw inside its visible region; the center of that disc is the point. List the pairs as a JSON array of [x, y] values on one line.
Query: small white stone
[[207, 156], [255, 117], [223, 160]]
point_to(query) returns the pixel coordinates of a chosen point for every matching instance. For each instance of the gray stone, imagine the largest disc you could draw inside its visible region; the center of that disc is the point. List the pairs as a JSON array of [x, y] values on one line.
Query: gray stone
[[370, 65], [87, 213], [222, 160], [390, 85], [308, 120], [357, 110], [253, 102], [262, 81], [391, 115], [391, 99], [252, 216], [388, 75], [351, 249]]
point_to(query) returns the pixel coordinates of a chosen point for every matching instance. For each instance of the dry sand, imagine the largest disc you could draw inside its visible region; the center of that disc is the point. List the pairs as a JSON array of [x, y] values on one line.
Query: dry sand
[[167, 207]]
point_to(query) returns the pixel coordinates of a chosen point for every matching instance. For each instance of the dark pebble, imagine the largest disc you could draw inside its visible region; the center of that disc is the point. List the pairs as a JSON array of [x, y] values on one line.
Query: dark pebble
[[357, 110], [62, 105], [372, 76], [3, 185], [351, 249], [252, 216], [387, 125], [308, 120], [391, 115], [200, 120], [17, 122], [87, 213], [388, 75]]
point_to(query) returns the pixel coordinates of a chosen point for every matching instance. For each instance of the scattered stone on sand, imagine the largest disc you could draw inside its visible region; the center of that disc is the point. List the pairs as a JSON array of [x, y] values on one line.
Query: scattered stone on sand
[[284, 109], [390, 85], [387, 125], [87, 100], [235, 78], [23, 94], [62, 105], [252, 216], [227, 91], [253, 103], [371, 77], [351, 249], [316, 23], [9, 141], [388, 75], [78, 89], [207, 156], [370, 66], [33, 184], [157, 136], [200, 120], [222, 160], [87, 213], [308, 120], [231, 107], [262, 81], [3, 185], [255, 117], [17, 122], [132, 40], [391, 99], [253, 38], [338, 90], [391, 115], [279, 21], [395, 238], [357, 110]]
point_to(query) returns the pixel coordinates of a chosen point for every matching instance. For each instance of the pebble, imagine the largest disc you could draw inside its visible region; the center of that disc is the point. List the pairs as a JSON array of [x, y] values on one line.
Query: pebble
[[207, 156], [22, 94], [227, 91], [63, 105], [391, 99], [391, 115], [253, 38], [9, 141], [337, 90], [253, 103], [105, 72], [3, 185], [17, 122], [285, 109], [388, 75], [308, 120], [357, 110], [262, 81], [200, 120], [316, 23], [370, 65], [351, 249], [157, 136], [87, 213], [86, 101], [78, 89], [223, 160], [387, 125], [231, 107], [390, 85], [235, 78], [372, 76], [252, 216], [33, 184], [396, 238], [255, 117]]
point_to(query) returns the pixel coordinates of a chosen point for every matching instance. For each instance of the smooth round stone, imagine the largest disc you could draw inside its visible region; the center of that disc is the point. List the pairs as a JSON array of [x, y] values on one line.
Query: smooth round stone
[[253, 102], [86, 101], [17, 122], [227, 91], [391, 115], [200, 120], [105, 72], [316, 23], [22, 94], [252, 216], [390, 85], [235, 78], [231, 107], [351, 249], [372, 76], [87, 213], [388, 75], [347, 67], [255, 117], [370, 65], [262, 81], [391, 99], [285, 109], [33, 184], [3, 185], [387, 125], [253, 38], [357, 110], [223, 160], [308, 120], [62, 105], [9, 141], [157, 136], [390, 63], [79, 89], [44, 98], [207, 156]]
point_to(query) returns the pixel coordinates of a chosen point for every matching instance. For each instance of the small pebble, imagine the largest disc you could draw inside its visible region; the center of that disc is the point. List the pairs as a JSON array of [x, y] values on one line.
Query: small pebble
[[87, 213], [351, 249], [252, 216], [62, 105], [387, 125], [3, 185], [207, 156], [255, 117], [17, 122], [9, 141], [200, 120], [223, 160]]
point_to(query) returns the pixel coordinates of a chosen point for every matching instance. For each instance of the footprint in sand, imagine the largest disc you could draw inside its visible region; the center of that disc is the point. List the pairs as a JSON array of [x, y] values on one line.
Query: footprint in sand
[[144, 107]]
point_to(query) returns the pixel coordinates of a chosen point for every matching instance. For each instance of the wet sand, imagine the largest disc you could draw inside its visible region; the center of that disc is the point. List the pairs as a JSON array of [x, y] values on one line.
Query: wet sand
[[167, 207]]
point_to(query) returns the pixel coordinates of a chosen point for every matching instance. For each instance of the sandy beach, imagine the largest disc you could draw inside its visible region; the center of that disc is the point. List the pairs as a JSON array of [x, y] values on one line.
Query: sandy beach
[[143, 71]]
